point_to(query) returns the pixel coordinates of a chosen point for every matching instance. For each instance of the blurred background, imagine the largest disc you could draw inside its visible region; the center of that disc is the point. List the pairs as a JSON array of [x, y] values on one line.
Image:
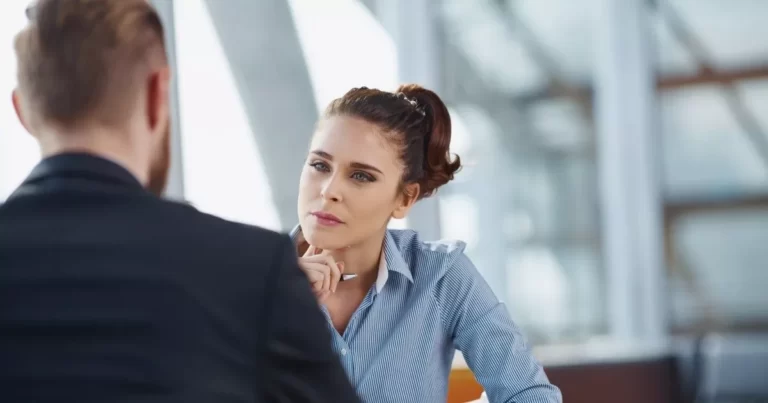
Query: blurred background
[[615, 188]]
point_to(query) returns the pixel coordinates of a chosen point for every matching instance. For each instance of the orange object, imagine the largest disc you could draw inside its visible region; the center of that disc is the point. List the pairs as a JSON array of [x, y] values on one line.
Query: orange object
[[462, 386]]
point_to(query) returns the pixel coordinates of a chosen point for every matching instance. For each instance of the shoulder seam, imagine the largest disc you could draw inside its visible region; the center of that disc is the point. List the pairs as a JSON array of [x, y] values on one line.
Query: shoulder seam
[[449, 263]]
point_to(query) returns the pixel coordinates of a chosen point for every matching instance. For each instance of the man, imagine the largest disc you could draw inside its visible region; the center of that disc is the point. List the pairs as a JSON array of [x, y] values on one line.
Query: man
[[109, 293]]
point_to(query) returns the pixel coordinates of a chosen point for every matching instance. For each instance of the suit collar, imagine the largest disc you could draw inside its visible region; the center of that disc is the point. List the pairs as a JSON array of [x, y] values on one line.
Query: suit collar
[[81, 165]]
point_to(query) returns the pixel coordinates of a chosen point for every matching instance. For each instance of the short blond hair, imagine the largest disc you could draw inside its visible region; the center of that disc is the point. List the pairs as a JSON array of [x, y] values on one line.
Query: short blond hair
[[79, 59]]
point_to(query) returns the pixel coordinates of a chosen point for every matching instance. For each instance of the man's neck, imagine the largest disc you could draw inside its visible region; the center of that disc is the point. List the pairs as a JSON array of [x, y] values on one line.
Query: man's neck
[[102, 142]]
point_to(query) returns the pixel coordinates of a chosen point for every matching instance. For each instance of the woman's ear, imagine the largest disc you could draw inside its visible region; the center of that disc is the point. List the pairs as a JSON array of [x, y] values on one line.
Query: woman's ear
[[406, 200]]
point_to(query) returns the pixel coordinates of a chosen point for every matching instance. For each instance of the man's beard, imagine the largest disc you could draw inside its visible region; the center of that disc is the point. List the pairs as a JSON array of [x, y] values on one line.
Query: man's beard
[[161, 164]]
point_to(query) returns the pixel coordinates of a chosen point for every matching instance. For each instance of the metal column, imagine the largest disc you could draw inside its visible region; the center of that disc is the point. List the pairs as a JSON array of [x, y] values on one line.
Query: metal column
[[413, 27], [262, 46], [175, 188], [628, 161]]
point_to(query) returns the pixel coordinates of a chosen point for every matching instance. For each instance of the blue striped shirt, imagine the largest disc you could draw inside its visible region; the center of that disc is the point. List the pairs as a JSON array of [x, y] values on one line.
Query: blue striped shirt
[[428, 301]]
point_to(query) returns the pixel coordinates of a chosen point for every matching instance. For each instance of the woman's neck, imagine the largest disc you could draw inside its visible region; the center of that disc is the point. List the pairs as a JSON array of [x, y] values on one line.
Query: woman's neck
[[362, 259]]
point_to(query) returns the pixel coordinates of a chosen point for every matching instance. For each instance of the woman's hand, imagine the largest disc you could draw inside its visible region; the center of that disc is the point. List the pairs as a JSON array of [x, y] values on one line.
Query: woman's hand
[[322, 271]]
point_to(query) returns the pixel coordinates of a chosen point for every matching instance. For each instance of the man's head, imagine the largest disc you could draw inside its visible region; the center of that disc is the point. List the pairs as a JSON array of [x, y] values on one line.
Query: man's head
[[93, 76]]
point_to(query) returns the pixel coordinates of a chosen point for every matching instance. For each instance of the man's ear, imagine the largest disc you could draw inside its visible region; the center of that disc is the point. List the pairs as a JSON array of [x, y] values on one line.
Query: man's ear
[[158, 105], [406, 200], [17, 106]]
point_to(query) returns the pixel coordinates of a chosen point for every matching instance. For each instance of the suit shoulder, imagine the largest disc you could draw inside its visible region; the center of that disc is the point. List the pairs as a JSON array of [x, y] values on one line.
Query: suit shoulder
[[225, 229]]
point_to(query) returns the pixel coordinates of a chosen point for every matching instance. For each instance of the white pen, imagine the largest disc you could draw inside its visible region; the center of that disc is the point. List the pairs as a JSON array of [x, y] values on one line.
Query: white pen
[[345, 277]]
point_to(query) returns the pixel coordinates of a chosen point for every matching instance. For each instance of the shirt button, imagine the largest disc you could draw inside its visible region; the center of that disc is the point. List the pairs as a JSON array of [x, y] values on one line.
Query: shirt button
[[343, 351]]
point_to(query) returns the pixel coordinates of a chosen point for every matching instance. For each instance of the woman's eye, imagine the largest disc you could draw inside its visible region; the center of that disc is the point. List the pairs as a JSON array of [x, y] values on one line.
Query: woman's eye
[[319, 166], [363, 177]]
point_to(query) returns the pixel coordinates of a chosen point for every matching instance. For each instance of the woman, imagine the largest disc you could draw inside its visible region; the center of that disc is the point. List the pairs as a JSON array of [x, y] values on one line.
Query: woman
[[412, 303]]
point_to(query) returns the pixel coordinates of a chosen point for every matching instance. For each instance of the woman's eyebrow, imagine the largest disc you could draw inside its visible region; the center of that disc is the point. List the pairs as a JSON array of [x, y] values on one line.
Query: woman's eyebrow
[[359, 165]]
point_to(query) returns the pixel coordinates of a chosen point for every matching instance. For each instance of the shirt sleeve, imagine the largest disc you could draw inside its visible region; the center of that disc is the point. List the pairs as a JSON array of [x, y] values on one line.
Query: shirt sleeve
[[493, 346]]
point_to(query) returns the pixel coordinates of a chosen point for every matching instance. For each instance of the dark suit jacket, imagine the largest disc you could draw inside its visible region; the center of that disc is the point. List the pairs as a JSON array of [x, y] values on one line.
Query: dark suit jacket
[[109, 294]]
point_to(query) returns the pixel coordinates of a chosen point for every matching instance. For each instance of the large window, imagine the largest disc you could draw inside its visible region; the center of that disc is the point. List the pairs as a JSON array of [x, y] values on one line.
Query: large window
[[229, 144], [223, 171], [338, 61], [713, 87], [18, 150], [528, 194], [520, 75]]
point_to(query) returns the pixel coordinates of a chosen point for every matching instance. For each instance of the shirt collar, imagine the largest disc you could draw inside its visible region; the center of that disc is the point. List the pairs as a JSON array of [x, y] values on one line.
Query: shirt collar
[[391, 260]]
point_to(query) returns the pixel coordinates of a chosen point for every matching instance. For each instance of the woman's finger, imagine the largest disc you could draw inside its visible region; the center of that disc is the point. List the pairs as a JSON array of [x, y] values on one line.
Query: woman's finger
[[321, 262], [320, 272], [316, 273], [311, 251], [315, 258], [333, 272], [326, 277], [315, 278]]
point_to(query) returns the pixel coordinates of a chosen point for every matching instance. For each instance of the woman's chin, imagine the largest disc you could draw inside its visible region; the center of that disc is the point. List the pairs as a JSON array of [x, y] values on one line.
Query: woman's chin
[[323, 241]]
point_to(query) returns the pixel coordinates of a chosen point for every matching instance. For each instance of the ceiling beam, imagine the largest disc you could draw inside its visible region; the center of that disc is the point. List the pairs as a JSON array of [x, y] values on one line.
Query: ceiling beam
[[663, 83], [709, 76], [676, 209]]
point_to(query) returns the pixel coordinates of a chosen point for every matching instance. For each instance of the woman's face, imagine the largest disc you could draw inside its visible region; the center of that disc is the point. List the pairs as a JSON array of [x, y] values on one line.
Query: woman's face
[[349, 184]]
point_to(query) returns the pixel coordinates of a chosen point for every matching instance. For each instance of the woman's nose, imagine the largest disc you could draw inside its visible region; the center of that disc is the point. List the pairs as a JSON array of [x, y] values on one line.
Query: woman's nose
[[331, 190]]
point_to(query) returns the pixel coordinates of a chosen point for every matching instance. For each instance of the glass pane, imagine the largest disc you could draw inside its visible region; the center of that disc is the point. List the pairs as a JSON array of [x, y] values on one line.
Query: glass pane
[[719, 276], [18, 150], [561, 29], [755, 93], [728, 30], [487, 42], [673, 57], [337, 61], [559, 195], [526, 201], [706, 152], [556, 291], [223, 172], [561, 124], [711, 152]]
